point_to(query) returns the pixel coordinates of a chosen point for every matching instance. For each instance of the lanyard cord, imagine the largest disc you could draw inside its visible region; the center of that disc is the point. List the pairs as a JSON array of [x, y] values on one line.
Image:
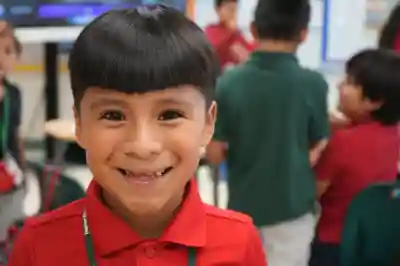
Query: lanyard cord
[[88, 241], [90, 247]]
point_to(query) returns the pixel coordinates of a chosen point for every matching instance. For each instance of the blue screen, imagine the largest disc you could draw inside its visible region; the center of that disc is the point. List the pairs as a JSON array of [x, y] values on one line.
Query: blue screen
[[67, 12]]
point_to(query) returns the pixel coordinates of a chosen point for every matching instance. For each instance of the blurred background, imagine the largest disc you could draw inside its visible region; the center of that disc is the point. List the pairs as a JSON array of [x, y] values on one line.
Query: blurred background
[[338, 29]]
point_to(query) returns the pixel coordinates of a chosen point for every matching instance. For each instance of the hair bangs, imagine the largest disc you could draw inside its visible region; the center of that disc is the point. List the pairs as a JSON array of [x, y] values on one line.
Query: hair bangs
[[143, 57]]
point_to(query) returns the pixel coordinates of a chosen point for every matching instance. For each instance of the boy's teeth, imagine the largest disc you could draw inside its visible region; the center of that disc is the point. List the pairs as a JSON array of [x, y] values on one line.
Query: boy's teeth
[[159, 173]]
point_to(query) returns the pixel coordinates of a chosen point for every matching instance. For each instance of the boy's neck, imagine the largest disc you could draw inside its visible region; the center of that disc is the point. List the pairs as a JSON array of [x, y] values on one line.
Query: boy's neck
[[147, 226], [273, 46]]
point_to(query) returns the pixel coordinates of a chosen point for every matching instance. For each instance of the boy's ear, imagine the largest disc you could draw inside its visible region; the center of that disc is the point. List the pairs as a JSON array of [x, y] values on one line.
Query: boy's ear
[[303, 35], [78, 128], [210, 124]]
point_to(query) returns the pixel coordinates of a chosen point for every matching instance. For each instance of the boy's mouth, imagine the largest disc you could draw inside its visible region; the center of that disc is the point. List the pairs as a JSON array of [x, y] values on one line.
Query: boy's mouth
[[144, 177]]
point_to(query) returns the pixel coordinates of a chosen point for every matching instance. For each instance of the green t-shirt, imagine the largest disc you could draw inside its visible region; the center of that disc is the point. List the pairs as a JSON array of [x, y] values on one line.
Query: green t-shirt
[[270, 112]]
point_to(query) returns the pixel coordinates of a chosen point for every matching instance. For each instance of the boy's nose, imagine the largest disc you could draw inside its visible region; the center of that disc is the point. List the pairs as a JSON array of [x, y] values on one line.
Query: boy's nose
[[143, 145]]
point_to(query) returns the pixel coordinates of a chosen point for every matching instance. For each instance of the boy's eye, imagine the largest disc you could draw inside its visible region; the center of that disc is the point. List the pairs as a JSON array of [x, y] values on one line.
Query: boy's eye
[[112, 116], [169, 115]]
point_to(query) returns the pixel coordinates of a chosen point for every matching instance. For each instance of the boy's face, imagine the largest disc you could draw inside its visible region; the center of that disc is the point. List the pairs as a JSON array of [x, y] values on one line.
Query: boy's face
[[8, 55], [143, 148], [227, 12], [352, 102]]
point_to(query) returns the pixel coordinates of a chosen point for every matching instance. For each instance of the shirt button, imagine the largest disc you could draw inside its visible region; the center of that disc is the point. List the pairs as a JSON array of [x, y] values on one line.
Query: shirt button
[[150, 252]]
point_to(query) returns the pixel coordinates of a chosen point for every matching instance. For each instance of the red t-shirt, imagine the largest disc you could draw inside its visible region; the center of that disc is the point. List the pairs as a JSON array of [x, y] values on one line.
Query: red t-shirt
[[355, 158], [223, 39], [57, 238]]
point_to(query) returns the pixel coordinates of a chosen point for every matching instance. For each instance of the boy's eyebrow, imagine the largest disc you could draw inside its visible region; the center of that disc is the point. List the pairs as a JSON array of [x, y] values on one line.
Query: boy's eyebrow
[[106, 101], [166, 101], [174, 101]]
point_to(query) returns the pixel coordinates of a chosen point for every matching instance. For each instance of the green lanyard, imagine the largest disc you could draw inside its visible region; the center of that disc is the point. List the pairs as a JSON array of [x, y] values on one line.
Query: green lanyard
[[5, 122], [90, 247]]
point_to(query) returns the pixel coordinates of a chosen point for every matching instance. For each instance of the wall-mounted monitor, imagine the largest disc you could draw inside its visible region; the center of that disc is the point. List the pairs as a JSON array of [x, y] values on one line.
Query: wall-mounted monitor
[[37, 13], [46, 19]]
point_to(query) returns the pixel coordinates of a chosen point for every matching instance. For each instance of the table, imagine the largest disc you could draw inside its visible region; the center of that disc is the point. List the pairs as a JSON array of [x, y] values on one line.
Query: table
[[61, 129], [64, 132]]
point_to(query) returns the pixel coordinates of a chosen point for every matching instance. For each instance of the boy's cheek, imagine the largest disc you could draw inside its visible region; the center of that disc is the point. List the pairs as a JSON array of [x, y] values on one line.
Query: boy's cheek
[[9, 66]]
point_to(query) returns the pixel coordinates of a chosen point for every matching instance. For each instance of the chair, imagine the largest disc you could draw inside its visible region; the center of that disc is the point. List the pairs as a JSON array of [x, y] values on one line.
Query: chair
[[56, 189], [371, 235]]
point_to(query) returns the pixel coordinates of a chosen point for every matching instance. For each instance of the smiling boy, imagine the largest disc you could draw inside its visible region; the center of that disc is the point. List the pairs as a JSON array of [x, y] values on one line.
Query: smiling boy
[[143, 83]]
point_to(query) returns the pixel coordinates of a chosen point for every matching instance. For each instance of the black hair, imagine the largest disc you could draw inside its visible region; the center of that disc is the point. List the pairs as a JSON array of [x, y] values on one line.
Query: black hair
[[140, 50], [390, 30], [281, 20], [377, 72], [219, 3]]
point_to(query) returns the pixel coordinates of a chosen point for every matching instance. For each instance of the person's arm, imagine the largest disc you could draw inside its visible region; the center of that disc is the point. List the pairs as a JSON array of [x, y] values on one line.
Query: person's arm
[[329, 165], [254, 254], [241, 48], [317, 150], [319, 125], [216, 150]]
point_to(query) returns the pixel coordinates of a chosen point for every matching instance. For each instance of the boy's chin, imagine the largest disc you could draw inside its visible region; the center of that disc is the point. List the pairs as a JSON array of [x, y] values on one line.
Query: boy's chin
[[146, 208], [136, 205]]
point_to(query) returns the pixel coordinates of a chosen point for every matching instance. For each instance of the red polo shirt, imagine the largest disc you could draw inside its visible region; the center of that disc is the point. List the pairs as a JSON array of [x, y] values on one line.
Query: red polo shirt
[[222, 237], [356, 157], [222, 38]]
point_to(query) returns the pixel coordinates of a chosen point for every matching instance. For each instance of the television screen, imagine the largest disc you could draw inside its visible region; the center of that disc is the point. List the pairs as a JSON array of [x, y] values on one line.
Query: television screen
[[31, 13]]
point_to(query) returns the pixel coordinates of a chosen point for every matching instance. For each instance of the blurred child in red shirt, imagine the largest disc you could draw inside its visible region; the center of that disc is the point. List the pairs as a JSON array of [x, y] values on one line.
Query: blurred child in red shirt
[[12, 159], [363, 152], [231, 46]]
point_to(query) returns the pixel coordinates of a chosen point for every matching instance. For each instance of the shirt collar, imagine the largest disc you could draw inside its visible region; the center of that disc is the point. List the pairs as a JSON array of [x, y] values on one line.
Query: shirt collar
[[110, 233]]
